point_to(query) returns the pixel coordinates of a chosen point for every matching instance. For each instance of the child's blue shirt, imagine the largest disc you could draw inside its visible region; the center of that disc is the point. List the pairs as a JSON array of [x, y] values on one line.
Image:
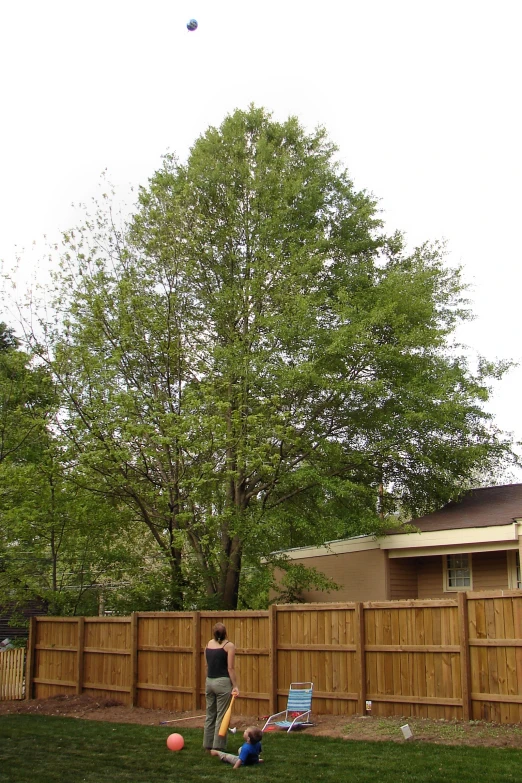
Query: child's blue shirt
[[249, 753]]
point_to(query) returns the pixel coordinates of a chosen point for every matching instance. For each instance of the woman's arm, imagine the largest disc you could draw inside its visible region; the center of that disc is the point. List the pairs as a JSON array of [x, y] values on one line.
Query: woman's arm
[[231, 660]]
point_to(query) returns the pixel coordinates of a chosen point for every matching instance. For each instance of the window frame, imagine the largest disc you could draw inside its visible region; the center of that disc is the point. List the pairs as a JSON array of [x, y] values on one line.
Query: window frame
[[447, 570]]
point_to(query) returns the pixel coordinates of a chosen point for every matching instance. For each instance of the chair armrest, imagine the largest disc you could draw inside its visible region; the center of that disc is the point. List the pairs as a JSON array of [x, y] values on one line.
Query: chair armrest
[[276, 715], [297, 718]]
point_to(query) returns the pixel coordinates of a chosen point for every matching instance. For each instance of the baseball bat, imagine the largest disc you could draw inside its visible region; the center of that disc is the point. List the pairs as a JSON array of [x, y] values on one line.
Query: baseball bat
[[177, 720], [226, 718]]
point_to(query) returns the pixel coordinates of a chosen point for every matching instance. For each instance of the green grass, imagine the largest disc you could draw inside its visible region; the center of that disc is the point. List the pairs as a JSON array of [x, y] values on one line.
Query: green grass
[[458, 732], [42, 749]]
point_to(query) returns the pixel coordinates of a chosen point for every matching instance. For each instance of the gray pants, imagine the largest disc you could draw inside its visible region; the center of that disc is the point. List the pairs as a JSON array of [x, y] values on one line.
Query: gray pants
[[217, 694], [228, 757]]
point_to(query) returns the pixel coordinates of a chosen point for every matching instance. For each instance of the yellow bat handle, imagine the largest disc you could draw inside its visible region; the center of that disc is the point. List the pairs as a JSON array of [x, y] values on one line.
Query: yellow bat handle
[[226, 718]]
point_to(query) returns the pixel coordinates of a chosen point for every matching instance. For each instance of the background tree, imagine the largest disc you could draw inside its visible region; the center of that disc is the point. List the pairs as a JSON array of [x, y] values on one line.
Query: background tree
[[58, 542], [26, 397], [7, 338], [26, 401], [250, 358], [66, 545]]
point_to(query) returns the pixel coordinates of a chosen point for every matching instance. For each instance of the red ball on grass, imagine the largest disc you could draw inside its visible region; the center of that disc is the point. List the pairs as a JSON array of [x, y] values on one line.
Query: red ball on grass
[[175, 742]]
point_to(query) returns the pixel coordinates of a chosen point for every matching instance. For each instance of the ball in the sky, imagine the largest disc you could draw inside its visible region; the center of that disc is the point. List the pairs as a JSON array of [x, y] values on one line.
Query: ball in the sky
[[192, 25]]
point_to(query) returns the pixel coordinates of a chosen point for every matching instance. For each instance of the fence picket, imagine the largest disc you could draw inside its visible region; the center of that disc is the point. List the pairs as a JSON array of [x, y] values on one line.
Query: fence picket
[[12, 674]]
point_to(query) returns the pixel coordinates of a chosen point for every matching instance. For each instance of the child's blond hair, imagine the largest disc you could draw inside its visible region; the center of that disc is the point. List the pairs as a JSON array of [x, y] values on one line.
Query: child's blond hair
[[255, 734]]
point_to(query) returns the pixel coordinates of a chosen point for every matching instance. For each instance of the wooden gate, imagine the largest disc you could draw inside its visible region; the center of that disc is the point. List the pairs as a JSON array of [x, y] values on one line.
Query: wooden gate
[[12, 674]]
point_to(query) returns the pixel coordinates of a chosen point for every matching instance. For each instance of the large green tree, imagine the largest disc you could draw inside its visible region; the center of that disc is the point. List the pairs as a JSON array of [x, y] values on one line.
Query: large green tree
[[250, 362]]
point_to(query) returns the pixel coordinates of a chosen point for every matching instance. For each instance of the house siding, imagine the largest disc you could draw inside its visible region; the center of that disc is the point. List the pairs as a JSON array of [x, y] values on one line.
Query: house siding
[[371, 576], [363, 576], [403, 578], [430, 577], [489, 570]]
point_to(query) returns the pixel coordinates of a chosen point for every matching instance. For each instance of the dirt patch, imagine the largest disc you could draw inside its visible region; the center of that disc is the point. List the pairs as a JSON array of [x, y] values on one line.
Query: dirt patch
[[346, 727]]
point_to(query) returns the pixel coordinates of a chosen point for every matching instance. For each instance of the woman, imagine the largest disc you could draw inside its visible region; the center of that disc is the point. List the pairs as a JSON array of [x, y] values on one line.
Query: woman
[[220, 684]]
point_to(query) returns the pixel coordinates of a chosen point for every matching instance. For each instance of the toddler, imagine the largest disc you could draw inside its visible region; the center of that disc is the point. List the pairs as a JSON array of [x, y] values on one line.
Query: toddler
[[248, 752]]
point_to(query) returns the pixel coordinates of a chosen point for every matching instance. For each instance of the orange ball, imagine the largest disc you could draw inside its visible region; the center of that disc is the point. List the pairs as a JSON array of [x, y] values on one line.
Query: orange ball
[[175, 742]]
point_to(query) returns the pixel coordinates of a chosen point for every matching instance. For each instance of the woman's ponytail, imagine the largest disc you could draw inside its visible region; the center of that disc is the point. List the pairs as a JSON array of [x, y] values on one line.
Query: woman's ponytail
[[220, 632]]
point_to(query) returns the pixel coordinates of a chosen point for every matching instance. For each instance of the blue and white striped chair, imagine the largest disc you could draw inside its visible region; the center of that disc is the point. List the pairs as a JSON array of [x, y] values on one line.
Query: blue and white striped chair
[[298, 708]]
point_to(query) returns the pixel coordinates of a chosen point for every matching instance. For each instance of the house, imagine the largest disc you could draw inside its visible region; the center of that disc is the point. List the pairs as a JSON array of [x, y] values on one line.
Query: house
[[472, 544]]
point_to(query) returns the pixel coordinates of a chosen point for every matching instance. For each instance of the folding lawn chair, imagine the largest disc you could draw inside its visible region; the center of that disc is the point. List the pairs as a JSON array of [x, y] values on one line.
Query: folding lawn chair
[[298, 708]]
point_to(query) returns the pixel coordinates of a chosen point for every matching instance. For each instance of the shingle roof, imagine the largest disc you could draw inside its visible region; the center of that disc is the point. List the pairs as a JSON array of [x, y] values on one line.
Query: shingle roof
[[479, 508]]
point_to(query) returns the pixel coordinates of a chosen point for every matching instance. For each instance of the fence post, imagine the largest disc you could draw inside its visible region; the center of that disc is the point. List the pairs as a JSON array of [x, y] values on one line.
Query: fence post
[[29, 661], [360, 656], [134, 659], [465, 669], [272, 660], [196, 660], [80, 643]]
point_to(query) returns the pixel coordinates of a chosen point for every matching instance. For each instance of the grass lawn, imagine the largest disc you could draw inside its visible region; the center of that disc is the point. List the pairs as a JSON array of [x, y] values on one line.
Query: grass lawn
[[42, 749]]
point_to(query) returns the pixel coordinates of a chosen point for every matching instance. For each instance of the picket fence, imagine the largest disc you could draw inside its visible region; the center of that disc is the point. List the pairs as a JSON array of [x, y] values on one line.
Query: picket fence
[[12, 674], [459, 658]]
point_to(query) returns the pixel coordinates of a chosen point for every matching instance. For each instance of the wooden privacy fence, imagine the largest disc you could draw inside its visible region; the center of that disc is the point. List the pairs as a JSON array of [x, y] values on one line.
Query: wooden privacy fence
[[456, 658], [12, 674]]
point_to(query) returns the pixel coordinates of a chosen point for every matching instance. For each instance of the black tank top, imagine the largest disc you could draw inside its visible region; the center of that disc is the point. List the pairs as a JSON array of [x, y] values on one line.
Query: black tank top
[[217, 662]]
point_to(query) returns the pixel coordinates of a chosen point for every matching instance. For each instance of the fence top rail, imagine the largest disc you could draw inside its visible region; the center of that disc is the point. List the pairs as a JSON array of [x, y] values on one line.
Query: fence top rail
[[152, 615], [87, 618], [414, 603], [163, 614], [475, 595], [225, 613], [235, 613], [319, 607]]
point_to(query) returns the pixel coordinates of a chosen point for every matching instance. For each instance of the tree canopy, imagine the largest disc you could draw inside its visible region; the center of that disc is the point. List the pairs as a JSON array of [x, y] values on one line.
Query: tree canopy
[[250, 362], [58, 541], [7, 338]]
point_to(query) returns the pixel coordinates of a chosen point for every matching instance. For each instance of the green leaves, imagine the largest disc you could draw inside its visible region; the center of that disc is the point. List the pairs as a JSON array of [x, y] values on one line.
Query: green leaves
[[246, 361]]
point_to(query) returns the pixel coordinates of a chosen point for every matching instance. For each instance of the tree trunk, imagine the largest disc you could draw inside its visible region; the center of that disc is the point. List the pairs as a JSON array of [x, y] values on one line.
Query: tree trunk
[[230, 581]]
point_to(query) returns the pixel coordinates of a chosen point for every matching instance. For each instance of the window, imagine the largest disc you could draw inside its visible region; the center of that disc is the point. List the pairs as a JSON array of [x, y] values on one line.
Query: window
[[515, 581], [457, 572]]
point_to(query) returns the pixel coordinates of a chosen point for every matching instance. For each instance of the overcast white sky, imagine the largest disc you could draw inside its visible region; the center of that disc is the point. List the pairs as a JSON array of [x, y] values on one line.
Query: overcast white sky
[[422, 98]]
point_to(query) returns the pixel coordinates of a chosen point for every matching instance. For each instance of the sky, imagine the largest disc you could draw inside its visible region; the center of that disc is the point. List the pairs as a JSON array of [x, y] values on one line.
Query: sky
[[421, 97]]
